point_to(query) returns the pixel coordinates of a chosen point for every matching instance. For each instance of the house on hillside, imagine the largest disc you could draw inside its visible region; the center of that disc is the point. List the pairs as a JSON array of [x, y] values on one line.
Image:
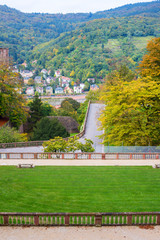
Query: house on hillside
[[68, 90], [44, 71], [49, 90], [64, 81], [57, 73], [82, 85], [77, 89], [30, 91], [91, 80], [94, 87], [26, 73], [24, 64], [59, 90]]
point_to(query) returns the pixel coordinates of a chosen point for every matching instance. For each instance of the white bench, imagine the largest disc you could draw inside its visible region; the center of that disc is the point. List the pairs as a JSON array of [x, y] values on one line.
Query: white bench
[[157, 166], [23, 165]]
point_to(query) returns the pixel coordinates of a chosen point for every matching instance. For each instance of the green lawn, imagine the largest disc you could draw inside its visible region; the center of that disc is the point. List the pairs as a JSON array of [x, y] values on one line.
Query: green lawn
[[79, 189]]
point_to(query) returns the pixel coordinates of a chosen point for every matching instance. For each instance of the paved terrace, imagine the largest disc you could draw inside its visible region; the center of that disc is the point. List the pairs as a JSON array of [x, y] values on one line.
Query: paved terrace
[[79, 233]]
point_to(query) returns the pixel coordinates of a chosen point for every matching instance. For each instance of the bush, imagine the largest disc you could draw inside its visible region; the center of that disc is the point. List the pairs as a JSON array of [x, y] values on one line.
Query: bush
[[58, 144], [9, 135]]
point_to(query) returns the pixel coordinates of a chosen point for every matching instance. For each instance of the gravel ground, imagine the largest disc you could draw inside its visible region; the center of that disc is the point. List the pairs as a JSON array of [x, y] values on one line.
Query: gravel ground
[[79, 233], [47, 162]]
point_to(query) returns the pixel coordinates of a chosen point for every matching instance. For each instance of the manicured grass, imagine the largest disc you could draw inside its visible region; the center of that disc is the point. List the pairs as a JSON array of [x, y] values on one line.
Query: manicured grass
[[79, 189]]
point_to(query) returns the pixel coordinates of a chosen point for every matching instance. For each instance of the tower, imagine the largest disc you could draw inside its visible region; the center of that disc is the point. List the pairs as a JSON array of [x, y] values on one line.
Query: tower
[[4, 56]]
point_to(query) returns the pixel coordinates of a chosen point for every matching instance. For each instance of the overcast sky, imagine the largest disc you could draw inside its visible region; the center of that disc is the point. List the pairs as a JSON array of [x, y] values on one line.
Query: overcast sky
[[66, 6]]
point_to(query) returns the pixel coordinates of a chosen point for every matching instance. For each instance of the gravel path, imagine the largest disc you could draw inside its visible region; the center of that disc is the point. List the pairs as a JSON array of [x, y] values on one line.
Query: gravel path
[[79, 233], [47, 162]]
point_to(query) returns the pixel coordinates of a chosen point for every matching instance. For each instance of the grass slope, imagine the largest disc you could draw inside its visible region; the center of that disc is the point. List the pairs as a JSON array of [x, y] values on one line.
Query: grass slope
[[79, 189]]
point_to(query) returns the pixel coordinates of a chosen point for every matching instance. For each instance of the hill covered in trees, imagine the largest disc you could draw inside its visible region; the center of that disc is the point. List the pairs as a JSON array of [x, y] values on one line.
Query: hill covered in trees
[[21, 32], [93, 49]]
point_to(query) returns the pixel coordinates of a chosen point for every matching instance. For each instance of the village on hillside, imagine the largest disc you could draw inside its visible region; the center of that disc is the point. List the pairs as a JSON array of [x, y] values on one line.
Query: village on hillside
[[50, 83]]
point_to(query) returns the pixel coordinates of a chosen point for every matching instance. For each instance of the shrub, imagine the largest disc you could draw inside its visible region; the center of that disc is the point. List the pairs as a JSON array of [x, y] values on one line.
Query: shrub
[[9, 135]]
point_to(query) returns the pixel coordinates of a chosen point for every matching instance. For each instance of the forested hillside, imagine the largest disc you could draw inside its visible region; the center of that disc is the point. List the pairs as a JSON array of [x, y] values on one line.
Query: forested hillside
[[21, 32], [93, 49]]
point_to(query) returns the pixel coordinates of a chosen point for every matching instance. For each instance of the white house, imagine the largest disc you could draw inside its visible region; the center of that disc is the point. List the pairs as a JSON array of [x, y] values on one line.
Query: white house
[[58, 90], [57, 73], [77, 89], [30, 91], [26, 73], [49, 90], [44, 71], [64, 81], [82, 85]]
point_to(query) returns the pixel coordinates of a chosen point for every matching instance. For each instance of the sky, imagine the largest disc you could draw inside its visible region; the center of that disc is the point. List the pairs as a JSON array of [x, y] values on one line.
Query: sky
[[66, 6]]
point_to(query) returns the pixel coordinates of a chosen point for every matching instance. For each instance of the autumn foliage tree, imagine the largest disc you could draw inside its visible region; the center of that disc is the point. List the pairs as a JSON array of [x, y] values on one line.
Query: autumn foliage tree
[[150, 65], [132, 109], [12, 103]]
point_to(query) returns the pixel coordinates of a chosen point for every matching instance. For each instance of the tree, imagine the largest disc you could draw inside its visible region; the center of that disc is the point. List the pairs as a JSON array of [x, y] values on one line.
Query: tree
[[93, 95], [35, 111], [58, 144], [132, 111], [74, 103], [46, 109], [12, 103], [150, 65], [47, 129], [72, 74], [86, 147]]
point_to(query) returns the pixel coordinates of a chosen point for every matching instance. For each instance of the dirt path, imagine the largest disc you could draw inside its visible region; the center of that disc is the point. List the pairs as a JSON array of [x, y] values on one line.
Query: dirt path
[[79, 233], [47, 162]]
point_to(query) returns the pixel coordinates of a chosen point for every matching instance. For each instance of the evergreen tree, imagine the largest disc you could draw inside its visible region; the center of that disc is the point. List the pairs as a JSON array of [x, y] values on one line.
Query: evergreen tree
[[35, 111], [47, 129]]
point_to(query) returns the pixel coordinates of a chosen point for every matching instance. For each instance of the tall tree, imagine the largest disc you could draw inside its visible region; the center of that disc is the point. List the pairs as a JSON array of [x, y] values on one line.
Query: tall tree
[[12, 103], [132, 111], [150, 65], [35, 111]]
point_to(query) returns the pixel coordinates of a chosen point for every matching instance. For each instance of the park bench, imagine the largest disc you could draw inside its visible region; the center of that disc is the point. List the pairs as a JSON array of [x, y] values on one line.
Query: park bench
[[157, 166], [22, 165]]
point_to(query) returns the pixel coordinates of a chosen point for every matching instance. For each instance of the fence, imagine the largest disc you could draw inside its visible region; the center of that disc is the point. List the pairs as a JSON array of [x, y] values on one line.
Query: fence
[[39, 143], [79, 219], [82, 156], [131, 149]]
